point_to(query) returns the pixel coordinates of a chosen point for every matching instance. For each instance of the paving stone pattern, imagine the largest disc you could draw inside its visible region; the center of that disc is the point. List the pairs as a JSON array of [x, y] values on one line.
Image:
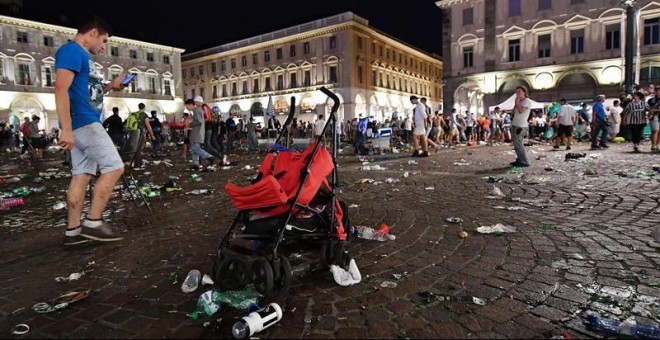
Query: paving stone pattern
[[583, 242]]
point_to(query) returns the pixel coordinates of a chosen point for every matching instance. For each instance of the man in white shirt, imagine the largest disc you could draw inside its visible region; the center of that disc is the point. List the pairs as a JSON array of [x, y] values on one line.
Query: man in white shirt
[[520, 126], [566, 119], [419, 134], [615, 118]]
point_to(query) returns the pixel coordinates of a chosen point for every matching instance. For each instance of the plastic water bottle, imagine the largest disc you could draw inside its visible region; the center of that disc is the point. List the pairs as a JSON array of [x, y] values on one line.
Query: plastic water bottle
[[369, 233], [9, 203], [597, 323], [630, 328], [257, 321]]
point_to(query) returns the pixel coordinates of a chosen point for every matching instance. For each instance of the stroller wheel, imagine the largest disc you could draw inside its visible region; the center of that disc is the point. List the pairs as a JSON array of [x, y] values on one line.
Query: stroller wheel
[[231, 272], [328, 252], [286, 272], [344, 258], [262, 276]]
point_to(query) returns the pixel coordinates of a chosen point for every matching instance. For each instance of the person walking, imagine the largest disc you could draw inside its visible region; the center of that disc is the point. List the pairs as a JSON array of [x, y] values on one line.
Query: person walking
[[600, 125], [79, 92], [421, 124], [566, 120], [635, 116], [115, 127], [157, 129], [519, 126], [25, 131], [197, 133], [654, 111], [615, 118]]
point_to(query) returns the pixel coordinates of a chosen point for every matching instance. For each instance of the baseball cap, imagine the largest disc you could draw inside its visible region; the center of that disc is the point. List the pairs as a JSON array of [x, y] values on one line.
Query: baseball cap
[[413, 97], [199, 99]]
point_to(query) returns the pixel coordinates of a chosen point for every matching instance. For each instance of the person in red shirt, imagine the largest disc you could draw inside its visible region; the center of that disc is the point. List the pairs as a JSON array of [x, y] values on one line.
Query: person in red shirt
[[25, 130]]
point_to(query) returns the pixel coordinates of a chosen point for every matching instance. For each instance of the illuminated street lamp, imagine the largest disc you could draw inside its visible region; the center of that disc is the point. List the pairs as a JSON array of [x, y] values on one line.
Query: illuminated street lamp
[[631, 15]]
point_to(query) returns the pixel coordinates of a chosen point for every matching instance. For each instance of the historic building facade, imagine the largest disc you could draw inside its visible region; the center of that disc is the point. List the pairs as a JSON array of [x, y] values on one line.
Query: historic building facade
[[372, 73], [556, 48], [27, 72]]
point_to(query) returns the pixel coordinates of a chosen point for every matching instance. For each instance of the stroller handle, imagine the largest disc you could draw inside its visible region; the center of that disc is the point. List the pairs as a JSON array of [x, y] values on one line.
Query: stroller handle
[[335, 99], [287, 122]]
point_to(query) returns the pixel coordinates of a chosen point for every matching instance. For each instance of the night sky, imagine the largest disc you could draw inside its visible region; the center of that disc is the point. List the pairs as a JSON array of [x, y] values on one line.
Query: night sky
[[194, 24]]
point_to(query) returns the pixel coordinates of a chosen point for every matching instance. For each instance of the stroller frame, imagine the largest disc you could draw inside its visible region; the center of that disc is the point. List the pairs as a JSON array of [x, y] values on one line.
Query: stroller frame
[[332, 249]]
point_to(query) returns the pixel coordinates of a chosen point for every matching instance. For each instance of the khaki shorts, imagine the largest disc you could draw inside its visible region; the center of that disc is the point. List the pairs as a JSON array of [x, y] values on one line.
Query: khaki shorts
[[92, 149]]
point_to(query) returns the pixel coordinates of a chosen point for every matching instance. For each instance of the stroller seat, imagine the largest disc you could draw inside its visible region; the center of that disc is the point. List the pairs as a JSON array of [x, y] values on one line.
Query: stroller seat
[[264, 193]]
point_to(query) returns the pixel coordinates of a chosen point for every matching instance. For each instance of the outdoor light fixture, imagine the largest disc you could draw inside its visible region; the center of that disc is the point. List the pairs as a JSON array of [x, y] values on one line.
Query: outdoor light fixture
[[628, 3]]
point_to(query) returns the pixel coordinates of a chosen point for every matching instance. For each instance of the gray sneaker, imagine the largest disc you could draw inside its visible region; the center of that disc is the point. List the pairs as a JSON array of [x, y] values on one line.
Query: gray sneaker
[[102, 233], [74, 240]]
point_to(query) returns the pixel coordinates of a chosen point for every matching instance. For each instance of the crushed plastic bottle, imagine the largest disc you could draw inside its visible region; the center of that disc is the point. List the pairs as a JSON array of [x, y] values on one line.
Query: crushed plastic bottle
[[10, 203], [368, 233], [209, 302], [38, 190], [191, 282], [200, 192], [456, 220], [22, 191], [629, 328], [12, 180]]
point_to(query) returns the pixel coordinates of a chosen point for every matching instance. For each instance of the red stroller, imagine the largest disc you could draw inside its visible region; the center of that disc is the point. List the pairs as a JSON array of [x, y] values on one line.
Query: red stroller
[[290, 199]]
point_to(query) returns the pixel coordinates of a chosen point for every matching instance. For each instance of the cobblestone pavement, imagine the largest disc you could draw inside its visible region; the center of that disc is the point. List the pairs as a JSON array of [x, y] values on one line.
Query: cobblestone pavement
[[583, 242]]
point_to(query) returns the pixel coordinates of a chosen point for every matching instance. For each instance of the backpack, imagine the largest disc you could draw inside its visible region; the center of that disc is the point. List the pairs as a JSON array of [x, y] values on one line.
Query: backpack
[[208, 114], [132, 122], [231, 124]]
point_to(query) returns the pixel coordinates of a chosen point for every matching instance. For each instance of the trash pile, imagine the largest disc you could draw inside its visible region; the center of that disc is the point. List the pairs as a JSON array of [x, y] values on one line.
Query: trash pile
[[368, 233]]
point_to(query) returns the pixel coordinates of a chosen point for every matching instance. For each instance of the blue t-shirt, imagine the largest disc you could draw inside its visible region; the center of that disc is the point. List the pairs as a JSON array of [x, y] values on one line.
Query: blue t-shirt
[[601, 115], [86, 91]]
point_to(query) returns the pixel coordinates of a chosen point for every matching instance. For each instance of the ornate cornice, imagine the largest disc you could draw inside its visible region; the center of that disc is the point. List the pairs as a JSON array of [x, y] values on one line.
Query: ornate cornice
[[35, 25], [449, 3]]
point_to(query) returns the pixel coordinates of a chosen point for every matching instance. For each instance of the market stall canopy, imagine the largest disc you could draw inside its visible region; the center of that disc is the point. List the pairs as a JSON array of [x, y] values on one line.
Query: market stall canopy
[[508, 104]]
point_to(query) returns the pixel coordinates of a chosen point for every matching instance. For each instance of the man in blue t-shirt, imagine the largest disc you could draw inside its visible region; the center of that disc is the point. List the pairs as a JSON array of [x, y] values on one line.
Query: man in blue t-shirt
[[600, 124], [79, 92]]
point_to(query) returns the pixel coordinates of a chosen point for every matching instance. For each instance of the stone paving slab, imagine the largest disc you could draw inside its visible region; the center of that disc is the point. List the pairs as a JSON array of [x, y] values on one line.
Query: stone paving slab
[[583, 242]]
